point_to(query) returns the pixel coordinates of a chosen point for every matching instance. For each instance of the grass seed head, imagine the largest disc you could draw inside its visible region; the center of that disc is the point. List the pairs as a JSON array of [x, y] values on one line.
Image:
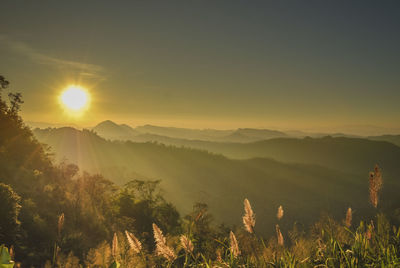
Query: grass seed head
[[279, 215], [375, 185], [161, 245], [234, 246], [114, 248], [187, 245], [279, 235], [134, 243], [249, 218], [60, 223], [349, 216]]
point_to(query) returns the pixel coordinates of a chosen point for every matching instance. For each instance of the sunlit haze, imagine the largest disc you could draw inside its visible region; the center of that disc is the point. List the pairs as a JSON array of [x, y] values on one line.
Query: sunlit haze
[[200, 133], [321, 66]]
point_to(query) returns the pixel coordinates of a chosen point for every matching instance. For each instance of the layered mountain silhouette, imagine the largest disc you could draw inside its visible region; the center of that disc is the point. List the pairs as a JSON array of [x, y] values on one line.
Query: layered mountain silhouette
[[184, 133], [312, 174], [111, 130], [337, 151], [395, 139]]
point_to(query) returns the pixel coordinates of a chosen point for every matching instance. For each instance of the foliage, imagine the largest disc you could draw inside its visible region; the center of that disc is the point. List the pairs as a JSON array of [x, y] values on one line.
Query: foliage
[[188, 175], [34, 192], [328, 244], [5, 258], [9, 210], [56, 216]]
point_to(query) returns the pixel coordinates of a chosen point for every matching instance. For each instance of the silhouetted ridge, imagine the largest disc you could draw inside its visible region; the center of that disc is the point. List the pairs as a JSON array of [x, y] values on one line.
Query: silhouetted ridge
[[328, 175], [110, 130]]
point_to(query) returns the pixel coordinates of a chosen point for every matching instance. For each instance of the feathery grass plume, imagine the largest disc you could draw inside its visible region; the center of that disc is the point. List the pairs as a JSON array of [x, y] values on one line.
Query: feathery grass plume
[[158, 235], [279, 235], [234, 246], [368, 234], [134, 243], [60, 223], [373, 194], [249, 218], [375, 185], [349, 217], [161, 245], [370, 230], [200, 215], [219, 257], [11, 252], [220, 260], [186, 244], [114, 248], [279, 215]]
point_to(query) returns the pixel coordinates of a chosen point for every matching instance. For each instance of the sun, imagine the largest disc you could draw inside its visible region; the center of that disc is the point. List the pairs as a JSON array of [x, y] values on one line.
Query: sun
[[75, 99]]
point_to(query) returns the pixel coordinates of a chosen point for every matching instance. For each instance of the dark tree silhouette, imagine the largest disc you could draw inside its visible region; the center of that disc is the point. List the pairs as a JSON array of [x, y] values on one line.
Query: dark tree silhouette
[[9, 210], [3, 83]]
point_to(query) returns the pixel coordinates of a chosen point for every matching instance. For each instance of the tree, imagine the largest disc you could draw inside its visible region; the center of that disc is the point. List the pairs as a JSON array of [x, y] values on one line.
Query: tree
[[9, 210], [140, 204], [3, 83], [14, 98]]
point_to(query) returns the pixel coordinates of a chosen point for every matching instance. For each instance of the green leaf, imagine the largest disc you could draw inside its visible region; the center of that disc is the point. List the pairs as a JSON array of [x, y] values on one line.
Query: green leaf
[[5, 258], [115, 264]]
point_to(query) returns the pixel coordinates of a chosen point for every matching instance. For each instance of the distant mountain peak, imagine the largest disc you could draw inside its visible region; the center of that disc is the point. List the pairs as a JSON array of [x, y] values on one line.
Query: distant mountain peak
[[111, 130], [107, 123]]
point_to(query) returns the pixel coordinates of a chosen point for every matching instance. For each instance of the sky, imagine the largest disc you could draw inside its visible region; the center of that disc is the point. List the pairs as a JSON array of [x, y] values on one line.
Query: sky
[[307, 65]]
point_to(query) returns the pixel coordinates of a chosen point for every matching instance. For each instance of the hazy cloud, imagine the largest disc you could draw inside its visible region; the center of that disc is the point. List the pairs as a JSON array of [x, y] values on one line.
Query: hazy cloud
[[86, 69]]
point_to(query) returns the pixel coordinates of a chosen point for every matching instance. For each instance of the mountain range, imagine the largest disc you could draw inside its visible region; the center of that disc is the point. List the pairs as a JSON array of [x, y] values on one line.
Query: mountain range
[[305, 175], [111, 130], [180, 136]]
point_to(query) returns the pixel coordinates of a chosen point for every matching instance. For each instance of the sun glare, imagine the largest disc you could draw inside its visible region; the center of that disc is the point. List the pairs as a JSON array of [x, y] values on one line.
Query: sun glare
[[75, 98]]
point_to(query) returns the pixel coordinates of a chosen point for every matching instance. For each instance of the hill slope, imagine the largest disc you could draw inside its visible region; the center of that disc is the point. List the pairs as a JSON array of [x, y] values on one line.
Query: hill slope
[[353, 155], [395, 139], [190, 175], [111, 130]]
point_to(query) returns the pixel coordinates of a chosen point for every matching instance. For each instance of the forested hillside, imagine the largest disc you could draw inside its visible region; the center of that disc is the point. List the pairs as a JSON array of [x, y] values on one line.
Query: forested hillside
[[36, 193], [113, 131], [350, 154], [395, 139], [191, 175], [55, 215]]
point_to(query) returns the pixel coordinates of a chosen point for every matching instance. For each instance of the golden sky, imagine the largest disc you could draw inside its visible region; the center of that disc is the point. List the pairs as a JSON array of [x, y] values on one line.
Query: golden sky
[[223, 64]]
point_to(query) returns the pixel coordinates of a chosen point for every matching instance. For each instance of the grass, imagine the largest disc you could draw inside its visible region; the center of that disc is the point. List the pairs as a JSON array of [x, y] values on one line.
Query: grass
[[327, 243]]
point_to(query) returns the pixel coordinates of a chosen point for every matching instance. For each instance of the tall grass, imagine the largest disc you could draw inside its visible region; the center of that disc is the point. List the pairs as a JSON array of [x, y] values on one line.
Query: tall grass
[[329, 243]]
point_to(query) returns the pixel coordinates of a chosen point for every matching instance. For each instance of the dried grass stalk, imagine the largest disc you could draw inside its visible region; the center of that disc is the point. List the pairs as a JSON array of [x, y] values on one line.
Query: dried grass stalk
[[279, 215], [11, 252], [134, 243], [187, 245], [349, 217], [219, 257], [161, 245], [279, 235], [60, 223], [114, 248], [370, 230], [234, 246], [375, 185], [249, 218]]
